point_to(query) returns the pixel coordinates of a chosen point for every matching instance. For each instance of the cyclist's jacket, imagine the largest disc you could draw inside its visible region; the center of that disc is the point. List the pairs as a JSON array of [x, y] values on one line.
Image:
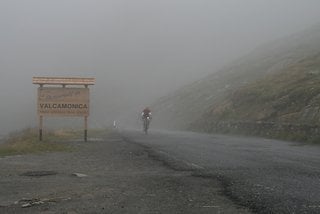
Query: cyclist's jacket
[[146, 113]]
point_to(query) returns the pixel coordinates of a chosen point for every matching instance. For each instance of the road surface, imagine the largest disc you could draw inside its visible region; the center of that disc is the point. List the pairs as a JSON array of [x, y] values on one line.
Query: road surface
[[106, 175], [267, 176]]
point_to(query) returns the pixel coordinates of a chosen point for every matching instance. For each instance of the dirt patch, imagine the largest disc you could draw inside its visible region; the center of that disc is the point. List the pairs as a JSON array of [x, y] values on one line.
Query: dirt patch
[[112, 176], [39, 173]]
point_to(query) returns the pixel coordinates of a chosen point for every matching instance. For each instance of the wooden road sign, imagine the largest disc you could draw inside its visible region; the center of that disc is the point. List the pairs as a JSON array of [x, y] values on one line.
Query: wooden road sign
[[63, 101], [53, 101]]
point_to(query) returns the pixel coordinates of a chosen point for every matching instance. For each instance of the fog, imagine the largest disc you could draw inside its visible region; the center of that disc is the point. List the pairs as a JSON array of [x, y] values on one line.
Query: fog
[[137, 50]]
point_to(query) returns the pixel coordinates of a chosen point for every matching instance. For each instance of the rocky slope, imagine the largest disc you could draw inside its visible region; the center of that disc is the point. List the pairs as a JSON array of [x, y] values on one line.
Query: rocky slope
[[278, 82]]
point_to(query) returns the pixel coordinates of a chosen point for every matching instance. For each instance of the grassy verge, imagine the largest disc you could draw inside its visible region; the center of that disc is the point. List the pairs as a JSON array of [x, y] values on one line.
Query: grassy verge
[[27, 141]]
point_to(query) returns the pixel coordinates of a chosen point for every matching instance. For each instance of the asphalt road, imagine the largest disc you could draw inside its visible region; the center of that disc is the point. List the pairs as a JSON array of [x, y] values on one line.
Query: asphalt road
[[107, 174], [267, 176]]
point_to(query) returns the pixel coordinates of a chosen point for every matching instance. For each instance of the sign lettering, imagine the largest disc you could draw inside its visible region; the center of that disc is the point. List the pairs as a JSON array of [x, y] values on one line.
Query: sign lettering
[[53, 101]]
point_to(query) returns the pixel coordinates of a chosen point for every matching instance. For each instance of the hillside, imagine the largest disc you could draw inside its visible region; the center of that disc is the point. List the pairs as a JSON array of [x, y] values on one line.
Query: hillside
[[290, 96], [278, 82]]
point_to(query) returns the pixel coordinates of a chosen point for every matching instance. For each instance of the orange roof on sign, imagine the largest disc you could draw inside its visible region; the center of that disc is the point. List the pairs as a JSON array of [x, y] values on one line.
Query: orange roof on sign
[[63, 81]]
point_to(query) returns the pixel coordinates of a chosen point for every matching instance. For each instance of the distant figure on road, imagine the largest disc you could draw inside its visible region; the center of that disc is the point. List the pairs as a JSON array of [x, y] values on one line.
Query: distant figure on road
[[146, 118]]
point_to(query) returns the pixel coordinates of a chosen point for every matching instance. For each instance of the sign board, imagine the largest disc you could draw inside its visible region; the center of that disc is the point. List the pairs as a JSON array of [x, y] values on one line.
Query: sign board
[[63, 101], [53, 101]]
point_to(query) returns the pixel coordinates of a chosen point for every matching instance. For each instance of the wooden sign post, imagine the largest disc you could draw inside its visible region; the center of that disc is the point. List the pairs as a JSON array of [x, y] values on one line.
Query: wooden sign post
[[63, 101]]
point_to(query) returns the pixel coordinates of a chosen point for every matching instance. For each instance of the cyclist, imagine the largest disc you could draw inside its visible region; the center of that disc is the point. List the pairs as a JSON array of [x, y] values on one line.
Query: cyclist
[[146, 118]]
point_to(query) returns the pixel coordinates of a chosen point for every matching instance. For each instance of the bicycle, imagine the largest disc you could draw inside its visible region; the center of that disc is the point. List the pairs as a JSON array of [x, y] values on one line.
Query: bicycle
[[146, 123]]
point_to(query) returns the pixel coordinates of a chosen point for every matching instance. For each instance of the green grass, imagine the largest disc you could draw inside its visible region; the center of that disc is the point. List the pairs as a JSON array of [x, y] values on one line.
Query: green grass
[[27, 141]]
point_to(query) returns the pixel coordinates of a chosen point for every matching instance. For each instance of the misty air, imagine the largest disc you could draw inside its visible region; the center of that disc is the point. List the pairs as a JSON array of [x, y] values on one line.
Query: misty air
[[144, 106]]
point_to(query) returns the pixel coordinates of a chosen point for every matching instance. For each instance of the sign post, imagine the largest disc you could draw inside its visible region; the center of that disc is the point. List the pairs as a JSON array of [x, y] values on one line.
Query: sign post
[[40, 127], [63, 101], [85, 128]]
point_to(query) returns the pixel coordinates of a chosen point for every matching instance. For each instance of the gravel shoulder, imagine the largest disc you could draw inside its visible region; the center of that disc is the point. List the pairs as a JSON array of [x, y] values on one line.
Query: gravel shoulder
[[107, 175]]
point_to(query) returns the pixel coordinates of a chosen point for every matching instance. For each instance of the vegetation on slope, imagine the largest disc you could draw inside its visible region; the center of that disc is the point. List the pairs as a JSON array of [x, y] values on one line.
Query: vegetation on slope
[[276, 84], [290, 96], [285, 105]]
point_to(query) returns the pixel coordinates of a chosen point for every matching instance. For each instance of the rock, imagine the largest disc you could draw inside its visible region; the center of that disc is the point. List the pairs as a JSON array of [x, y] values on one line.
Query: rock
[[80, 175]]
